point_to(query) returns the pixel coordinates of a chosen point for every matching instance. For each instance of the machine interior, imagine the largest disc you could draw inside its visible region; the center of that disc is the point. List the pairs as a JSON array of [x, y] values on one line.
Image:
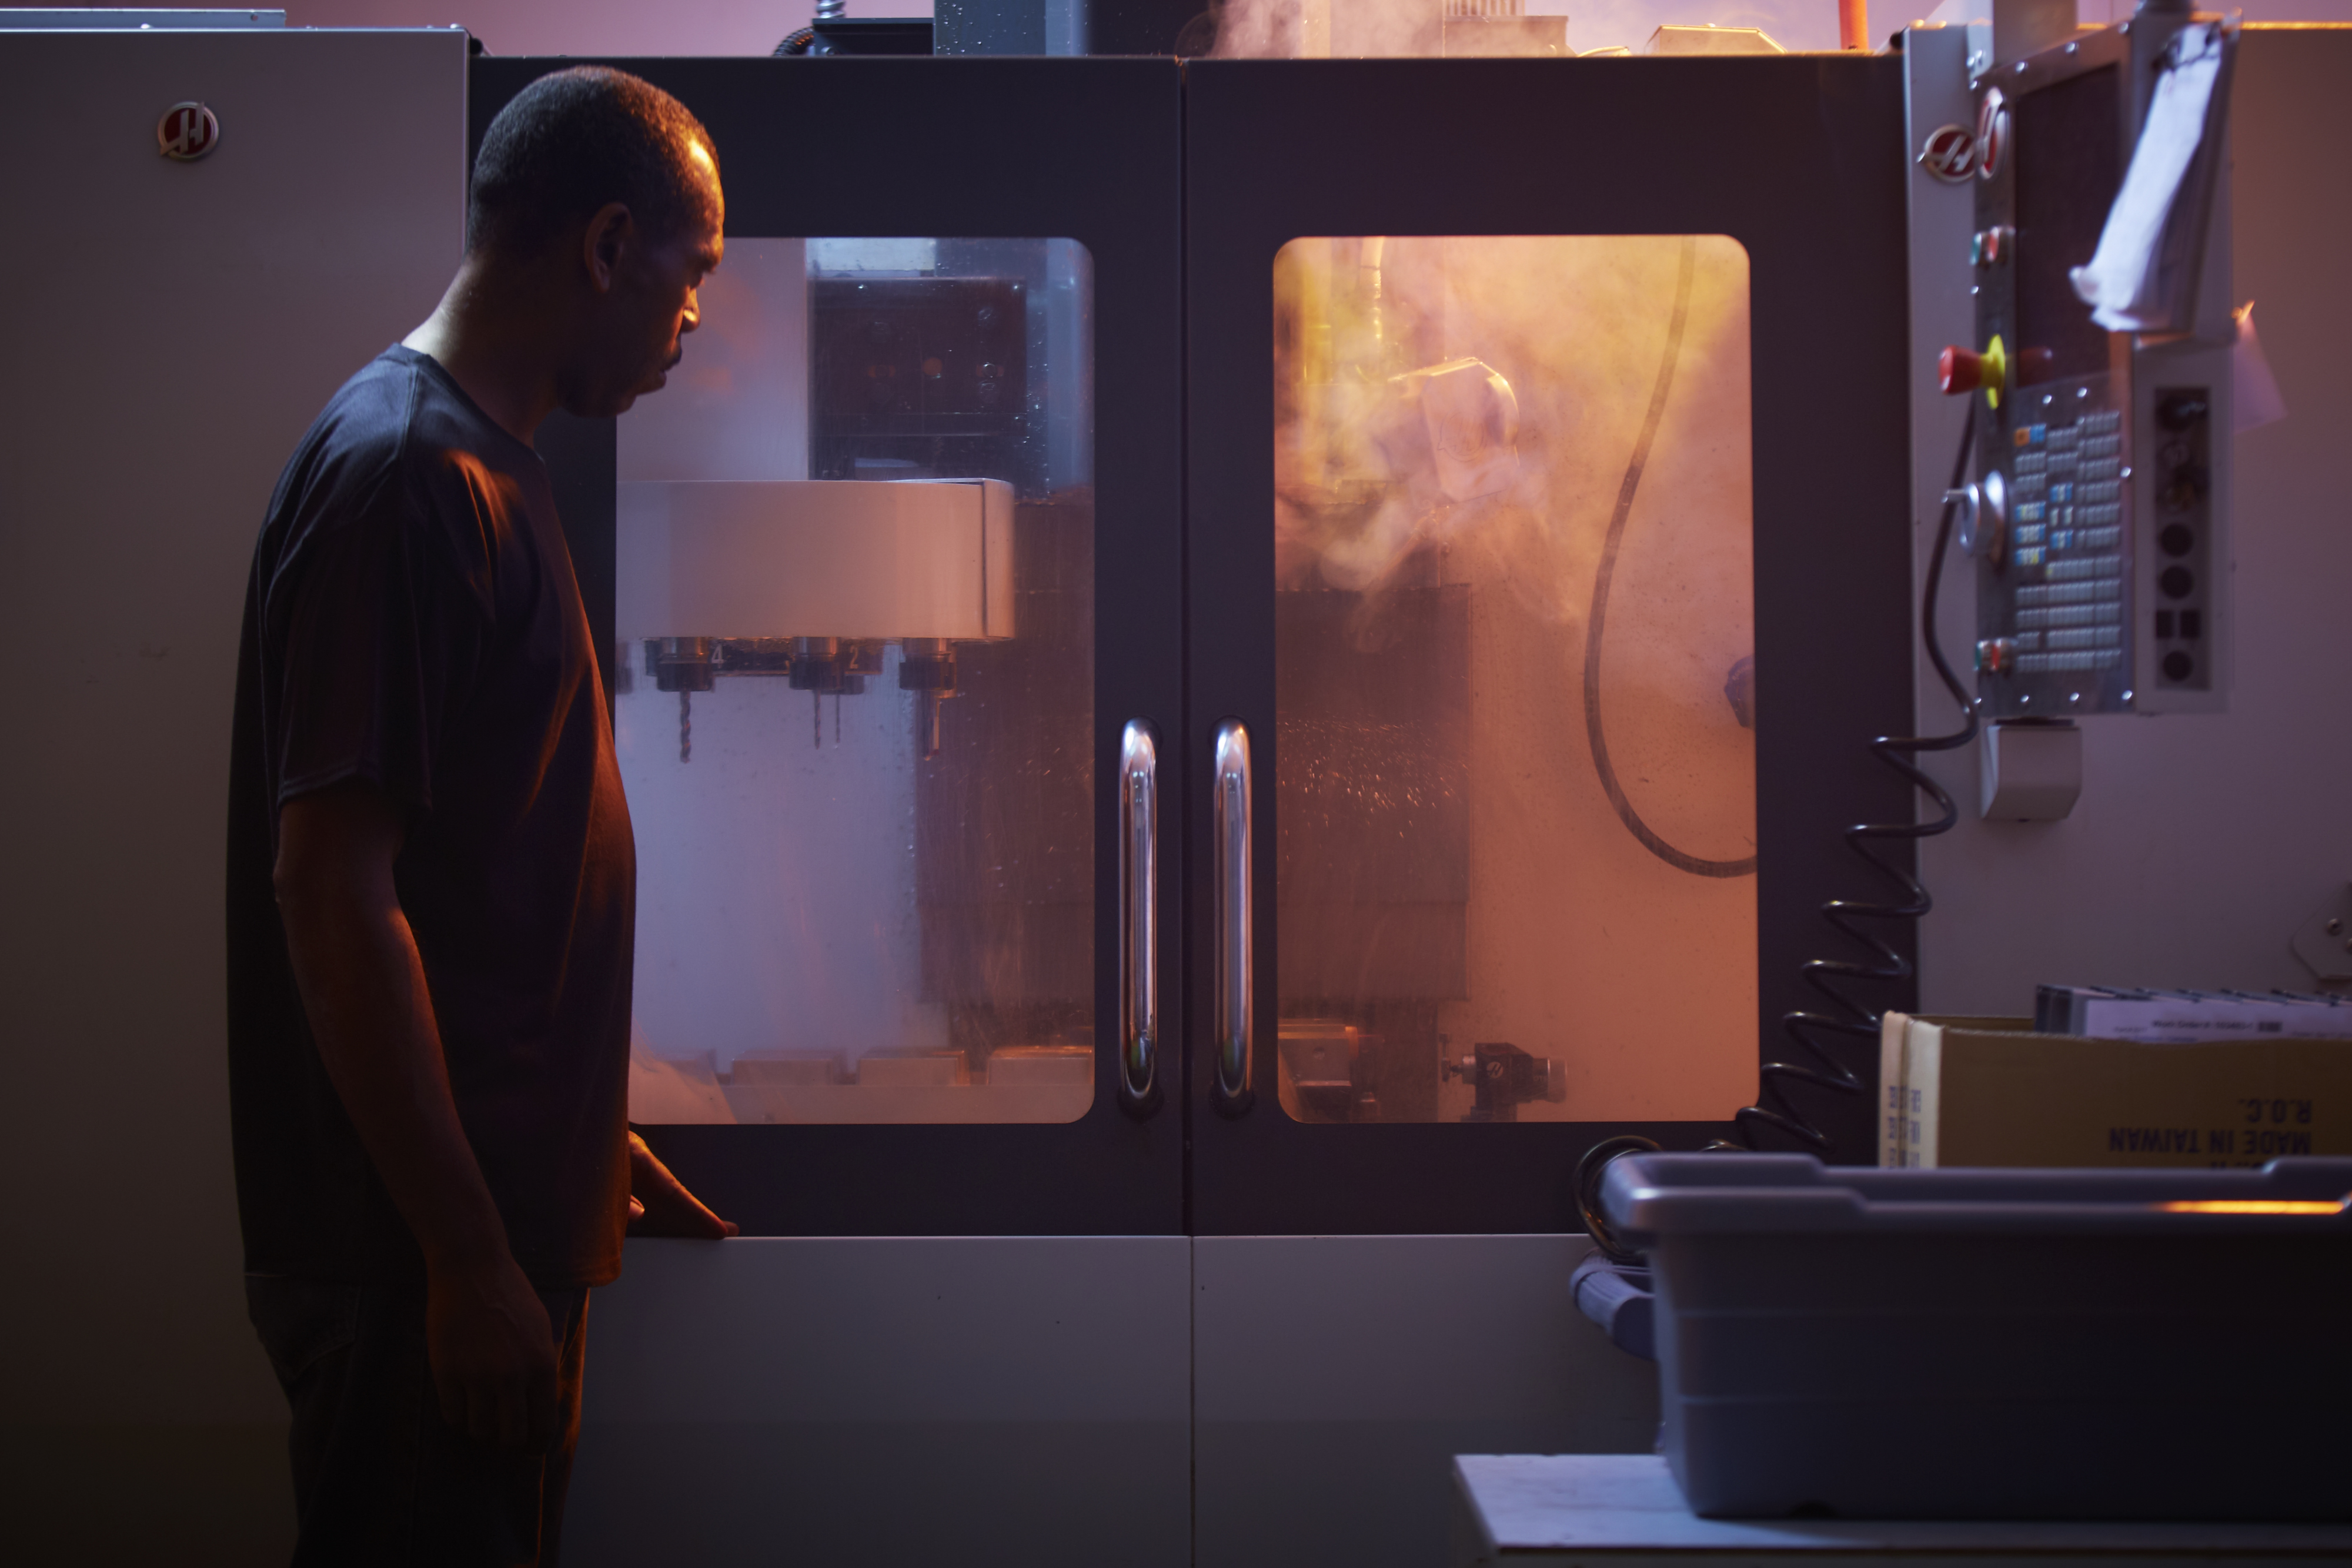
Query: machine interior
[[1515, 690], [855, 722]]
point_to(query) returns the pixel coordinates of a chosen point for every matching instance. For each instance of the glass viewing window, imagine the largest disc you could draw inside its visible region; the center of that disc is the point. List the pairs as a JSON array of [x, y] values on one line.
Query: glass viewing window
[[855, 697], [1516, 692]]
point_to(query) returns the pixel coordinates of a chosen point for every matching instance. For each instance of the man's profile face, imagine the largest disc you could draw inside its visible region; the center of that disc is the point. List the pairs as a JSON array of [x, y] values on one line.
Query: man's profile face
[[654, 300]]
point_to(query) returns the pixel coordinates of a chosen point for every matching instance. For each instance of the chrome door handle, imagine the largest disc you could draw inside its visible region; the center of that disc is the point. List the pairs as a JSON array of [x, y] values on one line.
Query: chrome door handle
[[1139, 919], [1232, 1091]]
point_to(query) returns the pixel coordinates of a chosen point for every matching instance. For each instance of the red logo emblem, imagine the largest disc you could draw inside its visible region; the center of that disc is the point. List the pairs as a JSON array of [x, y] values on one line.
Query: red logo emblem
[[1949, 153], [186, 133], [1993, 133]]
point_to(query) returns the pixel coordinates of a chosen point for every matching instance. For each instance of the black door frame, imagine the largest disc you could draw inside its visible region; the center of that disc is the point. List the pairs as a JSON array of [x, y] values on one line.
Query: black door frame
[[1797, 158], [1084, 149]]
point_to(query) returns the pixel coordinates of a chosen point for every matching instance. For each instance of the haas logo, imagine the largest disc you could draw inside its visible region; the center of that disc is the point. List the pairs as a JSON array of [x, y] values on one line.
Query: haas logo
[[1949, 154], [186, 133]]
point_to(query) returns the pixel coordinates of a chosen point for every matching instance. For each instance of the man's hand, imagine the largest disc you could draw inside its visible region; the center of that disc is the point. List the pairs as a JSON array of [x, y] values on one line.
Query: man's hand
[[492, 1352], [659, 1203]]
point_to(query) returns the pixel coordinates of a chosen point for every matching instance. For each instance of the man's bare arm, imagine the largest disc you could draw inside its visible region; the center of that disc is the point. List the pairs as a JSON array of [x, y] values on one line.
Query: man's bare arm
[[487, 1335]]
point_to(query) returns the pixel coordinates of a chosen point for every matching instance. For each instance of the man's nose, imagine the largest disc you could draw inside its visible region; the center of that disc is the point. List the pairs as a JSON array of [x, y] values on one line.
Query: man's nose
[[691, 317]]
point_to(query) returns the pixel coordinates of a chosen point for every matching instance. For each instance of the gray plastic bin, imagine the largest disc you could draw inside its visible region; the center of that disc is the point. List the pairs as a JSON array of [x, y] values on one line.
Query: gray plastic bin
[[1999, 1343]]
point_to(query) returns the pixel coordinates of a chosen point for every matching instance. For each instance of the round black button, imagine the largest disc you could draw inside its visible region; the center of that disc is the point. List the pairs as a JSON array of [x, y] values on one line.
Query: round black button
[[2177, 581], [2178, 666], [2176, 538]]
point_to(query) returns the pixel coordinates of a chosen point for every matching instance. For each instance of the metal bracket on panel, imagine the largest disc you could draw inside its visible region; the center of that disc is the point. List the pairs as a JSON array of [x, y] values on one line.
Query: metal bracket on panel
[[2029, 770], [2324, 941], [2022, 28], [1979, 34]]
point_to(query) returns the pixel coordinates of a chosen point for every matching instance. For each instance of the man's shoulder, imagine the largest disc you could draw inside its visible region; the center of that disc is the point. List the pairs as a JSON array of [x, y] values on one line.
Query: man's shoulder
[[402, 404], [387, 456], [396, 430], [359, 438]]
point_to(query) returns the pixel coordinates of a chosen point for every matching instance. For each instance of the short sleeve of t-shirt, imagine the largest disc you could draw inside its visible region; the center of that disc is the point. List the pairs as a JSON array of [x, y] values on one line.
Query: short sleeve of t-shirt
[[382, 638]]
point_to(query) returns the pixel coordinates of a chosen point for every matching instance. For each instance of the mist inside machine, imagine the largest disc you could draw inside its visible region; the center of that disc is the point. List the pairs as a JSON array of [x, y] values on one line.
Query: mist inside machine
[[854, 690], [1514, 679]]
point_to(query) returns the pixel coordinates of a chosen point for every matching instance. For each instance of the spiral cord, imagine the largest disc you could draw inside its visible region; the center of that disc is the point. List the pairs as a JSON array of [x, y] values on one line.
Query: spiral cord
[[1841, 1014], [1774, 1107]]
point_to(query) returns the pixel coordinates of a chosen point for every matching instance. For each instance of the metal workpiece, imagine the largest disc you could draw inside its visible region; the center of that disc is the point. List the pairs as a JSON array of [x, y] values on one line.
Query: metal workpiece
[[1139, 919], [1503, 1077], [1232, 1091]]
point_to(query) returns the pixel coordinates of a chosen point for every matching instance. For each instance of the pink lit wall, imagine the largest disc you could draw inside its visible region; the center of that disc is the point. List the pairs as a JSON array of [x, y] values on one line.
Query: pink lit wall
[[754, 26], [586, 26]]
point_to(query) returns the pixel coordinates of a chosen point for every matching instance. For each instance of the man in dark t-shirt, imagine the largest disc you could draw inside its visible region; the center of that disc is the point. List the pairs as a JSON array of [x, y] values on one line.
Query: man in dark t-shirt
[[431, 883]]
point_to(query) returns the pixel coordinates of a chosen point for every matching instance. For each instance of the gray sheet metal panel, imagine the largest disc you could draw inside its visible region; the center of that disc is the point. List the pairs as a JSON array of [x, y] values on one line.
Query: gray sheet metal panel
[[1335, 1377], [166, 361], [1017, 1400], [2201, 840], [1941, 216]]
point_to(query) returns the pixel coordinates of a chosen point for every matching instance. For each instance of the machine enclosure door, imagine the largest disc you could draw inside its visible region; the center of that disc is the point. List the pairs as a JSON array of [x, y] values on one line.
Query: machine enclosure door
[[849, 1122], [1324, 199], [1791, 295]]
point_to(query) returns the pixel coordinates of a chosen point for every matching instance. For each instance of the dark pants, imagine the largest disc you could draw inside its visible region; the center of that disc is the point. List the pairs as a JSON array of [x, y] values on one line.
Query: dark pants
[[379, 1479]]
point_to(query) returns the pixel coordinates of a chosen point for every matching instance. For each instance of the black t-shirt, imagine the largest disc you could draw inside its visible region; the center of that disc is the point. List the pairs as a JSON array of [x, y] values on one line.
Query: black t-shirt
[[412, 619]]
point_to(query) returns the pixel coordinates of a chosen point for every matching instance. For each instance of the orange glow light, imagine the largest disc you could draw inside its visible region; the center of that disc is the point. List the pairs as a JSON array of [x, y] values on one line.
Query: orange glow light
[[2261, 1207]]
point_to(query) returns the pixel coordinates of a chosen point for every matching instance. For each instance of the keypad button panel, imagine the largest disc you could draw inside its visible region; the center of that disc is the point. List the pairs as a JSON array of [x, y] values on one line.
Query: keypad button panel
[[2058, 601]]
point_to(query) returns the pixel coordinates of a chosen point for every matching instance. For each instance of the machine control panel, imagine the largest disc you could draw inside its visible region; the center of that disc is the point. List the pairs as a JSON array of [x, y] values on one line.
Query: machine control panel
[[2053, 535], [2100, 488]]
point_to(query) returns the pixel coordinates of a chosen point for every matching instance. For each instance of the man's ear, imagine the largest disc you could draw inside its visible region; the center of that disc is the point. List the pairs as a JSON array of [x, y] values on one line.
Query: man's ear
[[608, 233]]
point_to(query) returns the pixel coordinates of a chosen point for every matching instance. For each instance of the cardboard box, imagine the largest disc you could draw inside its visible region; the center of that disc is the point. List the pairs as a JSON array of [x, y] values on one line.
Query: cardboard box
[[1990, 1092]]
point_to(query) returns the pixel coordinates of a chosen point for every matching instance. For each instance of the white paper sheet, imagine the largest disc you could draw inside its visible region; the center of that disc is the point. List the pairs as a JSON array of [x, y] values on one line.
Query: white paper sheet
[[2124, 282]]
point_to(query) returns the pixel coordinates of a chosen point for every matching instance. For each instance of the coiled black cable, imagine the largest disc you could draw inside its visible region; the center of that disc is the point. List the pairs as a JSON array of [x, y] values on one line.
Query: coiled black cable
[[1774, 1109], [1850, 1018], [796, 42]]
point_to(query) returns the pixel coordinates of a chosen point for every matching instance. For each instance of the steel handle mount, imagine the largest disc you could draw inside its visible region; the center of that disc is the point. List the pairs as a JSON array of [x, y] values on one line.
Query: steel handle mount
[[1139, 919], [1232, 1091]]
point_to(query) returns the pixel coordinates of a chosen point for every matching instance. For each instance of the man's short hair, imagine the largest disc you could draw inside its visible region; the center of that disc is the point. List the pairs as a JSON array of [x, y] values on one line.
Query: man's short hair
[[574, 140]]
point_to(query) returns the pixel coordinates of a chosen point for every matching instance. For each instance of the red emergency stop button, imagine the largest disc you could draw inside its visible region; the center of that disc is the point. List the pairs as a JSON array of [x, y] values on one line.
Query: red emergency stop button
[[1958, 370]]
